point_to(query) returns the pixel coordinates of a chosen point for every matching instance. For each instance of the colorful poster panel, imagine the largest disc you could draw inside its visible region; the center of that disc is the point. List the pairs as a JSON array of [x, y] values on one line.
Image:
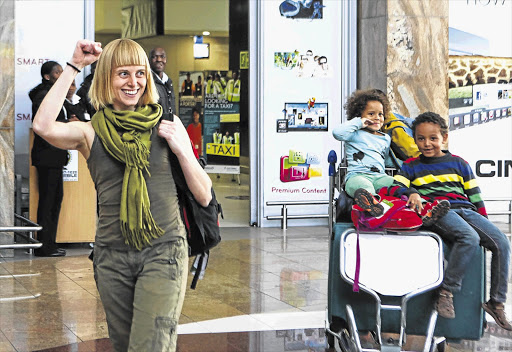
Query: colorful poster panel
[[303, 64], [302, 9], [222, 122], [310, 116], [299, 166]]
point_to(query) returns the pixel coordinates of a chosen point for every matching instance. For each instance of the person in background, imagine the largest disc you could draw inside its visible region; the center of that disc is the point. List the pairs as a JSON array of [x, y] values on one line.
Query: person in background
[[187, 87], [83, 91], [217, 86], [209, 85], [198, 87], [74, 107], [140, 252], [164, 86], [49, 162], [195, 132], [233, 88]]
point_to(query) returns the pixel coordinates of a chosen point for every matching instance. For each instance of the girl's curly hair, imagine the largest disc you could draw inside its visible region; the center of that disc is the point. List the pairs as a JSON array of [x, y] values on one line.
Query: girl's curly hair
[[356, 103]]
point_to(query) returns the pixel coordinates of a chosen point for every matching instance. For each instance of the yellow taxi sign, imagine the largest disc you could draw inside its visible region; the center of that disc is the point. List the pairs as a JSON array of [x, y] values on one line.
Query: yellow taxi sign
[[232, 150]]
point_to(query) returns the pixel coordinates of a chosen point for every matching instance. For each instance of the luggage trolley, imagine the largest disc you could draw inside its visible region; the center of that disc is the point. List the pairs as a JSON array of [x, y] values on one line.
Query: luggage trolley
[[398, 274]]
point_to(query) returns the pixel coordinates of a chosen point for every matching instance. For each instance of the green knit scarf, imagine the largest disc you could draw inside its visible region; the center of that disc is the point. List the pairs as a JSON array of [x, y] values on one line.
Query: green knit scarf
[[126, 135]]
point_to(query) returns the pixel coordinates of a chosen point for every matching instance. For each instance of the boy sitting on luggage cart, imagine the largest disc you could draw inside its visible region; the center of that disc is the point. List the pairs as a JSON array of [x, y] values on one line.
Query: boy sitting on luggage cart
[[439, 175]]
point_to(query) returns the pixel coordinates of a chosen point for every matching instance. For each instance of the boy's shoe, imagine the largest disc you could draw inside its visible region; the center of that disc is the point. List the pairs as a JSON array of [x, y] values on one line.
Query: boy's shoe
[[368, 202], [434, 211], [497, 311], [444, 304]]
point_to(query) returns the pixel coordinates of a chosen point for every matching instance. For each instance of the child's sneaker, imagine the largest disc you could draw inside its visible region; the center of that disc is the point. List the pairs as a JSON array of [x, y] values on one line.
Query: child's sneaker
[[497, 311], [368, 202], [434, 211]]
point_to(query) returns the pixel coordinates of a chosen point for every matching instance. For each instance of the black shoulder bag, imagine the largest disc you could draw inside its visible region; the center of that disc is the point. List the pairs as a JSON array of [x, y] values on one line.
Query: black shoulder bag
[[201, 223]]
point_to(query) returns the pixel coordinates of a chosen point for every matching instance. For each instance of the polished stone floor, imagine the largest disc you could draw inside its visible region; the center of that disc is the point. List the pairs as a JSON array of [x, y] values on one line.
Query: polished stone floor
[[262, 292], [265, 290]]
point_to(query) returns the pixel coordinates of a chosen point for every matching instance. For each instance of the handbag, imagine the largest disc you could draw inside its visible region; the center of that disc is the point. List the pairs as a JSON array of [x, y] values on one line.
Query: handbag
[[201, 223], [397, 216]]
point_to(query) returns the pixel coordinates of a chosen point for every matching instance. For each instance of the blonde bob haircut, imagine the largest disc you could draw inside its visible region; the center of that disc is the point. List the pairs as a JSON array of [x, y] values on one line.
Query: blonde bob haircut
[[120, 52]]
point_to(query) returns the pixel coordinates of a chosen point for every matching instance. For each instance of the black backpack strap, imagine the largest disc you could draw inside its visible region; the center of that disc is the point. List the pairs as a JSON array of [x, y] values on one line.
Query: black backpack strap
[[202, 257], [394, 159]]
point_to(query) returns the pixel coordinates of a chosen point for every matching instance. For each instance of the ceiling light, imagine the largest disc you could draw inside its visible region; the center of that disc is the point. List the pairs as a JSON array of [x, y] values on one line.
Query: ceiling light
[[206, 33]]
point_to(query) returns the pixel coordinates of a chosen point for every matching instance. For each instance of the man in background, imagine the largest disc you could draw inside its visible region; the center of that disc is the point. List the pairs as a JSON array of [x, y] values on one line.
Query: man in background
[[158, 61], [188, 88], [49, 162], [233, 88], [199, 87]]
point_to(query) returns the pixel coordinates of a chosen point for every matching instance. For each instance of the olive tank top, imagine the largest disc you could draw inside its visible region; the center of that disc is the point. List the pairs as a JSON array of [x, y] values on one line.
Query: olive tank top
[[107, 174]]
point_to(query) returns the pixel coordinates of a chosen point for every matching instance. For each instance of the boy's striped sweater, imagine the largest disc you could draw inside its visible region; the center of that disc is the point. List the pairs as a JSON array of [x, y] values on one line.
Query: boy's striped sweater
[[447, 177]]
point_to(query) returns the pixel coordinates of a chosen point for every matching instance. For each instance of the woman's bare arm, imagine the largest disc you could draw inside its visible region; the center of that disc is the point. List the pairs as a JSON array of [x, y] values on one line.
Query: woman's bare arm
[[73, 135], [197, 179]]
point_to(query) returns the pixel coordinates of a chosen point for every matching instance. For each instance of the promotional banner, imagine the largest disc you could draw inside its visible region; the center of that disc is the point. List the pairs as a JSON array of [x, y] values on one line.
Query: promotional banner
[[221, 128], [70, 170], [302, 104], [480, 92], [41, 36]]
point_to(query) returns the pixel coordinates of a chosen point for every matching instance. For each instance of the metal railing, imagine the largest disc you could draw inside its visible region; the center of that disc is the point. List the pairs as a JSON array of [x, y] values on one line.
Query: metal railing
[[284, 211], [21, 231], [285, 216]]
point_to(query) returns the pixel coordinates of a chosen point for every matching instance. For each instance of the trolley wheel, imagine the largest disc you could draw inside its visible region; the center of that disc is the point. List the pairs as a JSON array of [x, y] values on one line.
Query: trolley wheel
[[440, 347], [337, 325], [330, 339], [346, 344]]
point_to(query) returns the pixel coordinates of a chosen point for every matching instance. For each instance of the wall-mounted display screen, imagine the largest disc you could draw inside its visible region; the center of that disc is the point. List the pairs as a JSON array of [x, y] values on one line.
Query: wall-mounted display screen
[[201, 50], [306, 117]]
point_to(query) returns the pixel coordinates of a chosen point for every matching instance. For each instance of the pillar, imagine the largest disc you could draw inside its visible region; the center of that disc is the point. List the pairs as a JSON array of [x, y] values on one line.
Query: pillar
[[6, 122], [403, 50]]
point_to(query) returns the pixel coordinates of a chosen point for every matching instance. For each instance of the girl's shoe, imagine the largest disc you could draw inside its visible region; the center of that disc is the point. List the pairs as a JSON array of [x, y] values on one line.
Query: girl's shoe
[[444, 304], [368, 202], [434, 211]]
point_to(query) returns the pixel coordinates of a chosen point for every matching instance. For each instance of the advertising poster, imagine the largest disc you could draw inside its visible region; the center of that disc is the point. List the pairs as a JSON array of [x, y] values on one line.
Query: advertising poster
[[302, 105], [480, 92], [70, 170], [190, 106], [221, 122]]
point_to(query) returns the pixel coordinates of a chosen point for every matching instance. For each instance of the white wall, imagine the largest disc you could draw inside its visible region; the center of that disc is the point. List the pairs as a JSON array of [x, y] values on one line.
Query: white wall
[[45, 30]]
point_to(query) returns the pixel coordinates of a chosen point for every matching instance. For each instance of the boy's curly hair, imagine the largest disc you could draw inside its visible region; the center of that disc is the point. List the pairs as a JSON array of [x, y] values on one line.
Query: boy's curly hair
[[356, 103], [430, 117]]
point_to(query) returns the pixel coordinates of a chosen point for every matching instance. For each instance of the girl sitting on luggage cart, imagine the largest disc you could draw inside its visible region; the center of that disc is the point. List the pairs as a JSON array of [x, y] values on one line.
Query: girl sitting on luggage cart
[[368, 153], [439, 175]]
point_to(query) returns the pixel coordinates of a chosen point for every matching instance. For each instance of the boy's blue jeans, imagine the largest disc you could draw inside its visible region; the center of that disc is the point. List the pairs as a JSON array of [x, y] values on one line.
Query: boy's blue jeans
[[467, 230]]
